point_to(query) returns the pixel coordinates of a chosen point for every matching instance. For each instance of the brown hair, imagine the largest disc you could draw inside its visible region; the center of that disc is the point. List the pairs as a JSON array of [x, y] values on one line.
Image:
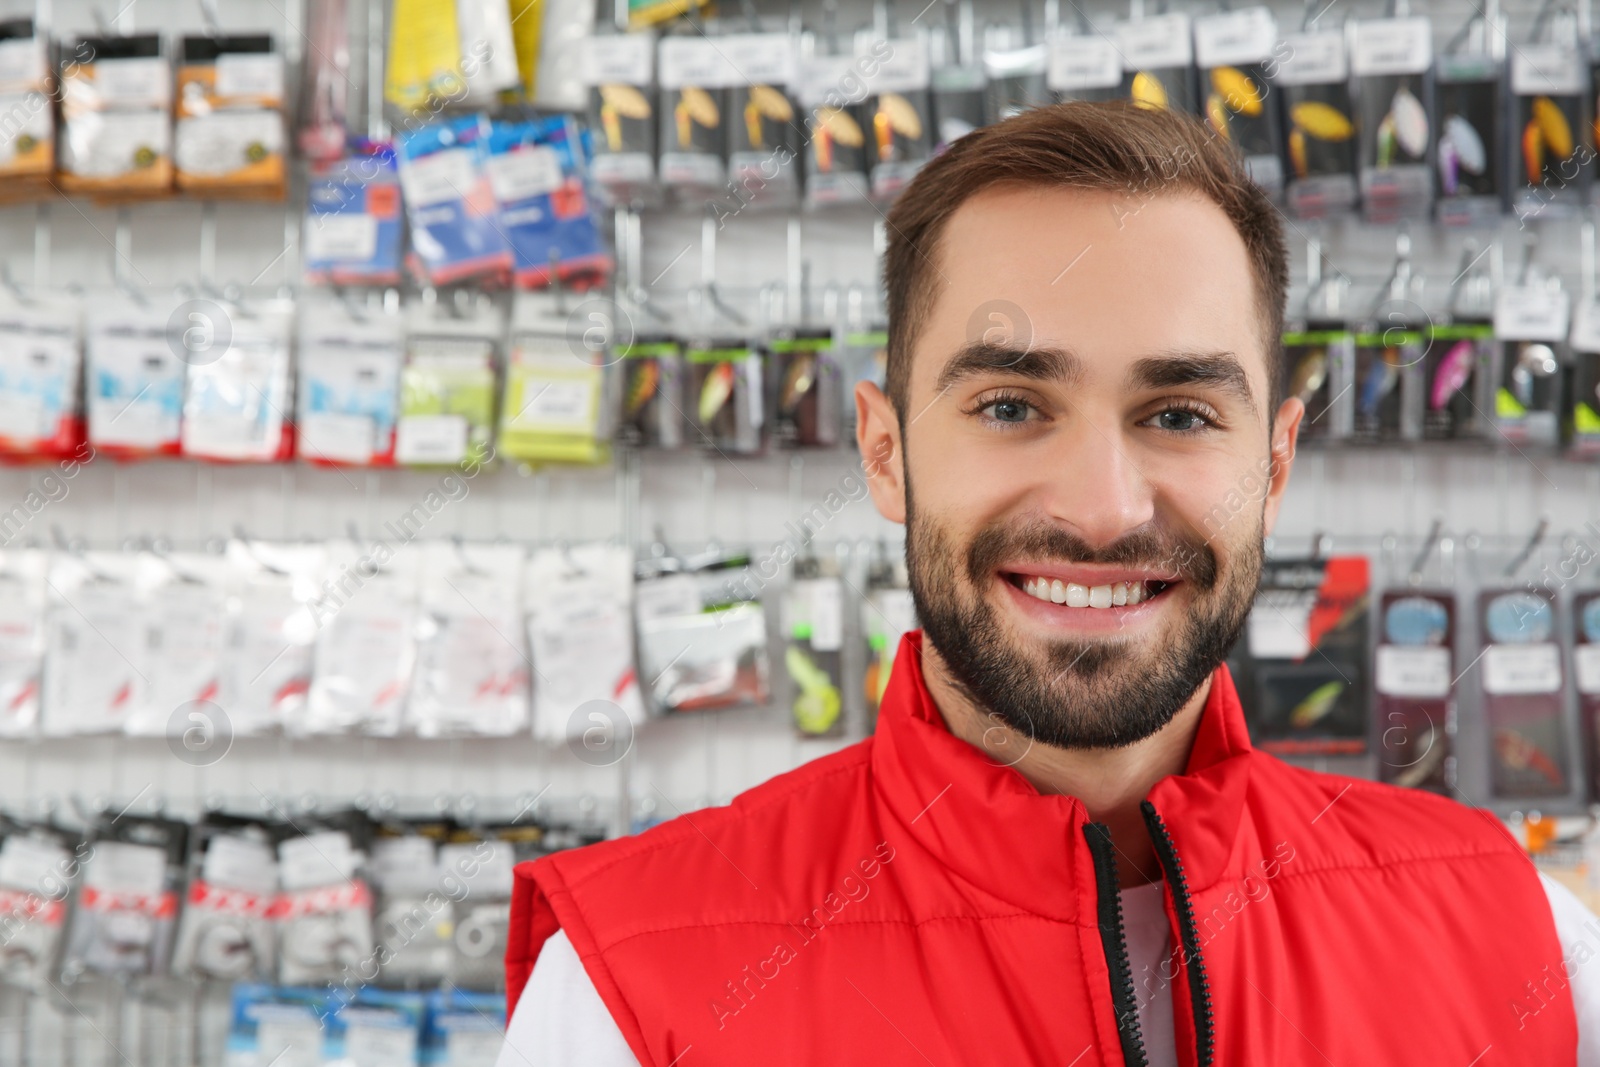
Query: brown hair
[[1114, 145]]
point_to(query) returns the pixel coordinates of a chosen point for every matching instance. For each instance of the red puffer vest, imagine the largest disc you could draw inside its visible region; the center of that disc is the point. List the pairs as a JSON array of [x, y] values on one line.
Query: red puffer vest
[[908, 900]]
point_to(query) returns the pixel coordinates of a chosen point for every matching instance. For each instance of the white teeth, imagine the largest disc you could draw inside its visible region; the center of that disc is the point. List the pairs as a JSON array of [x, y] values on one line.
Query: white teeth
[[1058, 592], [1119, 594], [1100, 596], [1077, 595], [1055, 591]]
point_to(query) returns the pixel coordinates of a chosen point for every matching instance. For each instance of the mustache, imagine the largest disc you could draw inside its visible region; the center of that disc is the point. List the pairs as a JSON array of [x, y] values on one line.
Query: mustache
[[1187, 559]]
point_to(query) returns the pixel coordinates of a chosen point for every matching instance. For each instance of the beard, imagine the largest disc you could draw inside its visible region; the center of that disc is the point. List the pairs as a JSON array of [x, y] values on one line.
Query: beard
[[1091, 694]]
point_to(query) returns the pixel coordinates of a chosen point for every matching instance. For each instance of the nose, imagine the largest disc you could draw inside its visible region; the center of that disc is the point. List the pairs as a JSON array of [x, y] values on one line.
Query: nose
[[1093, 485]]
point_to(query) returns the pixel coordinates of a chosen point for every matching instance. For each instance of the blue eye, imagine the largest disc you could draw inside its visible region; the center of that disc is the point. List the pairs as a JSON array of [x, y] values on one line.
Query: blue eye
[[1183, 419], [1008, 411]]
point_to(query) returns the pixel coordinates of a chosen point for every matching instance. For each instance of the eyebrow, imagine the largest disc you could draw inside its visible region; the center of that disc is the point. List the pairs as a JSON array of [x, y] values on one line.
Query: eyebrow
[[1219, 370]]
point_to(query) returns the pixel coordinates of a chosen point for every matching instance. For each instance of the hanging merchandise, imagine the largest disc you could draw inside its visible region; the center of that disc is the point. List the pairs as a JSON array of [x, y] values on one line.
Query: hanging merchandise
[[225, 931], [1319, 353], [1085, 66], [274, 608], [1523, 696], [1581, 420], [488, 52], [447, 385], [960, 89], [278, 1024], [1469, 114], [366, 638], [1303, 661], [1158, 61], [349, 384], [619, 71], [1585, 668], [900, 108], [1553, 128], [887, 613], [806, 387], [472, 669], [763, 137], [864, 355], [116, 114], [135, 378], [425, 57], [1413, 678], [693, 71], [324, 100], [537, 171], [38, 866], [352, 230], [94, 638], [830, 91], [652, 402], [1390, 346], [1017, 65], [181, 602], [1313, 73], [122, 919], [1531, 328], [23, 602], [725, 387], [1392, 62], [1235, 53], [414, 919], [580, 611], [236, 406], [28, 137], [463, 1029], [450, 204], [702, 633], [324, 909], [41, 364], [377, 1026], [555, 403], [230, 139], [477, 864], [528, 37], [1456, 371], [813, 628]]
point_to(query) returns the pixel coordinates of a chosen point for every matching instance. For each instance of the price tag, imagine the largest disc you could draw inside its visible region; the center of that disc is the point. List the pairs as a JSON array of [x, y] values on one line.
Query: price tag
[[625, 58], [123, 867], [830, 80], [671, 595], [555, 404], [341, 237], [240, 863], [827, 615], [760, 58], [22, 65], [1406, 671], [335, 437], [29, 863], [1279, 624], [1520, 669], [1086, 62], [1232, 37], [524, 173], [693, 61], [1312, 59], [322, 858], [125, 83], [1546, 69], [1585, 660], [253, 75], [438, 178], [1393, 46], [431, 438], [1531, 313], [903, 70], [1157, 41]]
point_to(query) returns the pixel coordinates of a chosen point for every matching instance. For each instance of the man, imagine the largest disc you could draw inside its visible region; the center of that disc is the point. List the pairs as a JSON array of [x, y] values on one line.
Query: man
[[1059, 847]]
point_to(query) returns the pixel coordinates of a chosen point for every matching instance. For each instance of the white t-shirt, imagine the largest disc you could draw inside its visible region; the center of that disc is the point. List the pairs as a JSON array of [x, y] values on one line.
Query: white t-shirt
[[561, 1021]]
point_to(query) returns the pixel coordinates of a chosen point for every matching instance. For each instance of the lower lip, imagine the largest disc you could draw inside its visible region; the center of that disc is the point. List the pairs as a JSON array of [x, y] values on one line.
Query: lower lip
[[1091, 620]]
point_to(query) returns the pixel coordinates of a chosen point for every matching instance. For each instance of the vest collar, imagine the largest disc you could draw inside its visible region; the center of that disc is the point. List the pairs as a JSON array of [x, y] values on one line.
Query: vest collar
[[987, 823]]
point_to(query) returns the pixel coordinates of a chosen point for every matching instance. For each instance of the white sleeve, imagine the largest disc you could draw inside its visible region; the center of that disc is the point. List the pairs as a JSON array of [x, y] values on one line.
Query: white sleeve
[[1578, 929], [560, 1020]]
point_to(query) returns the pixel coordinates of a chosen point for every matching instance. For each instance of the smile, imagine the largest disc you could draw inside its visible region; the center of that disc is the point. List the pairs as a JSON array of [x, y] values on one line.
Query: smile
[[1078, 595]]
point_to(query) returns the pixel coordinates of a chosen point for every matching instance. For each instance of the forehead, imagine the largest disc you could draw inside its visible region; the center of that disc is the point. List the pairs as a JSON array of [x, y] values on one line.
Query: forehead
[[1112, 275]]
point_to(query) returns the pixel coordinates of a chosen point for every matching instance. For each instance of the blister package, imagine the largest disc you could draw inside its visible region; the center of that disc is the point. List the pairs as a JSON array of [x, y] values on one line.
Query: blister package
[[693, 70], [1524, 700], [463, 1029], [1552, 123], [725, 386], [901, 112], [480, 873], [182, 599], [618, 71], [349, 385], [651, 393], [831, 92], [1313, 74], [1413, 678], [41, 367], [324, 909], [236, 407], [225, 932], [353, 230], [366, 642], [702, 636], [887, 612], [23, 603], [806, 388], [116, 114], [763, 129], [379, 1027], [579, 604], [447, 388], [414, 924], [450, 203], [1392, 61], [94, 642], [813, 655], [270, 631], [1235, 51], [126, 906], [555, 386], [38, 867], [134, 388], [230, 139], [1158, 60], [1531, 326], [538, 172], [278, 1025], [1469, 115]]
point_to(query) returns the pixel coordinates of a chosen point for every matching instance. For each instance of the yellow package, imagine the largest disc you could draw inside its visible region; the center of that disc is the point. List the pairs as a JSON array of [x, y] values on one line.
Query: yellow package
[[230, 136], [116, 118]]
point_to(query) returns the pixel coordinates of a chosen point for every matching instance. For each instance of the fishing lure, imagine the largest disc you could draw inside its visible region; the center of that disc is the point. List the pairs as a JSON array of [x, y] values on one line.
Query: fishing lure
[[1533, 152], [618, 102], [797, 382], [764, 102], [716, 390], [1148, 91], [1380, 380], [816, 706], [1322, 121], [895, 115], [834, 125], [1519, 753], [646, 378], [1310, 375], [1452, 373], [1316, 706], [1553, 128], [1237, 90], [1410, 122]]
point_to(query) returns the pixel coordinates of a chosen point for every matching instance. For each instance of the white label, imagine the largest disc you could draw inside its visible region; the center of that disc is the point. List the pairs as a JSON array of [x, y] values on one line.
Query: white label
[[1244, 36], [288, 1041], [760, 58], [437, 178], [240, 863], [258, 75], [1154, 42], [1516, 669], [694, 61], [1529, 313], [21, 63], [555, 404], [827, 615], [484, 867], [337, 438], [898, 612], [674, 594], [394, 1045], [1538, 69], [317, 859], [903, 68], [1393, 46], [27, 863], [1586, 327], [830, 80], [1586, 663], [1312, 59], [473, 1048], [626, 58], [1086, 62], [1408, 671], [1279, 626], [524, 173], [431, 439], [124, 867], [345, 237], [124, 83]]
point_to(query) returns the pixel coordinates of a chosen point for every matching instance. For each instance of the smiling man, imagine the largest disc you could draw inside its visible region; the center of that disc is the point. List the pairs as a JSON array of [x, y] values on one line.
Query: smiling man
[[1060, 847]]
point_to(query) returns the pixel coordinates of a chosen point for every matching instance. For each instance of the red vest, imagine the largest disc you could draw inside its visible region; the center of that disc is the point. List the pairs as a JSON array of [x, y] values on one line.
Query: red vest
[[908, 900]]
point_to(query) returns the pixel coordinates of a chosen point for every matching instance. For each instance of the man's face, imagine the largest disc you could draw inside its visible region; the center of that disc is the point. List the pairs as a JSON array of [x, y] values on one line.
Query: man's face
[[1086, 473]]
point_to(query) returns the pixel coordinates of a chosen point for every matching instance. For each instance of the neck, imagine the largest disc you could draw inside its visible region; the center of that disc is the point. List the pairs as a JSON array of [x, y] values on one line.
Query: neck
[[1110, 783]]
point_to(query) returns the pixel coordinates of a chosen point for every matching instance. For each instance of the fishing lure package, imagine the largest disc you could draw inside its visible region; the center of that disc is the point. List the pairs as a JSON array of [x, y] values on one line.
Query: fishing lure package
[[323, 913], [230, 139], [450, 203], [653, 409], [414, 919], [41, 367], [225, 932], [1302, 667], [28, 138], [182, 598], [1469, 108], [537, 172], [956, 82], [1084, 67], [1456, 375], [94, 639], [366, 642], [376, 1026], [116, 115], [887, 612], [271, 1024], [807, 388], [702, 634], [831, 93], [349, 385], [1388, 383], [462, 1029], [448, 389], [1581, 423], [353, 229], [579, 627], [1531, 330], [477, 866], [556, 404], [1158, 61], [38, 867], [1017, 68], [126, 905], [1392, 60], [1319, 367], [1521, 678], [23, 601], [271, 629], [1234, 51], [619, 71], [236, 405], [1313, 74], [693, 73], [1413, 677], [135, 380], [901, 112], [763, 132], [1553, 129], [813, 655], [725, 386], [1586, 675]]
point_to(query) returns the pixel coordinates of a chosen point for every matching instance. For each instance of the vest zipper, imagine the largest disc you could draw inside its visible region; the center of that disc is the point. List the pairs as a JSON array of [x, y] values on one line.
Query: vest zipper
[[1199, 988], [1115, 942]]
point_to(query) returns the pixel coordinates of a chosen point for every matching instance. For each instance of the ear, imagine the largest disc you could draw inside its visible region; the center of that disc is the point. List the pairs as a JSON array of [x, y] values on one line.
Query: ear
[[1285, 434], [882, 459]]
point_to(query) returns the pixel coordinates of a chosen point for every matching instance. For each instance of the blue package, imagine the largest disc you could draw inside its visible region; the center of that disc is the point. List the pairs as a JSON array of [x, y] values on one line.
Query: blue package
[[352, 228], [449, 202], [376, 1026], [272, 1024], [463, 1029], [536, 170]]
